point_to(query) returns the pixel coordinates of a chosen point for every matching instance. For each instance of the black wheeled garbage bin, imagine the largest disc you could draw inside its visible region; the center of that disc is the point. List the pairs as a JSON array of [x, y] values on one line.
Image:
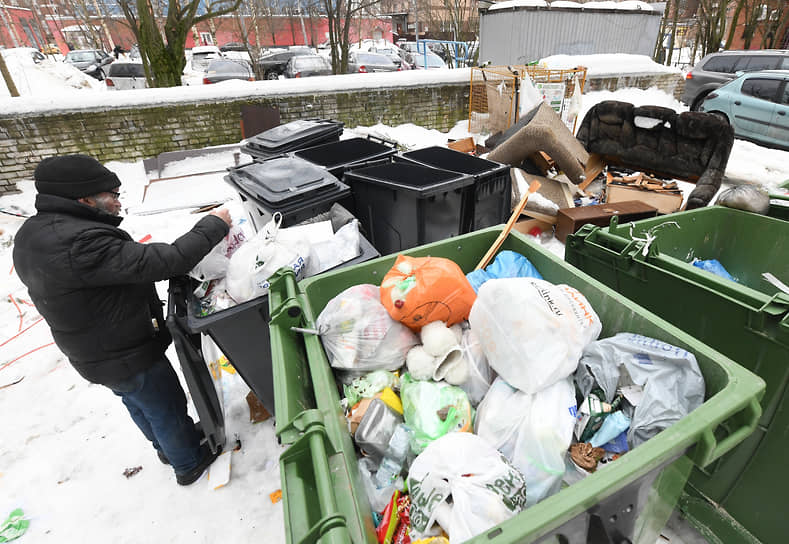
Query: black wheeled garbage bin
[[336, 157], [242, 334], [402, 205], [292, 136], [296, 188], [487, 200]]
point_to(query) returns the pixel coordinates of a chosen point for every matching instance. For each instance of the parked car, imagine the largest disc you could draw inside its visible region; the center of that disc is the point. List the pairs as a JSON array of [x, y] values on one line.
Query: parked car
[[717, 69], [273, 64], [202, 55], [93, 62], [307, 66], [433, 61], [226, 69], [233, 46], [50, 49], [395, 54], [361, 62], [756, 105], [24, 52], [123, 76]]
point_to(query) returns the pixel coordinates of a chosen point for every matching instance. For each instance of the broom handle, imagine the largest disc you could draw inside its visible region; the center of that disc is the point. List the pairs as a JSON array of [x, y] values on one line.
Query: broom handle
[[533, 187]]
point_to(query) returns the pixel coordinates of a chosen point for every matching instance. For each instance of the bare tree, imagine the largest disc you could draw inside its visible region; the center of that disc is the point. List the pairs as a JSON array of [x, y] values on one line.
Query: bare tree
[[84, 12], [711, 17], [777, 13], [164, 47], [340, 15]]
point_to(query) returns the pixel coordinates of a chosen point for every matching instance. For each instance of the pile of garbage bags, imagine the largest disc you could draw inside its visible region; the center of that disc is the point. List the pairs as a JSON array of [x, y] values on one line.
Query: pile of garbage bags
[[238, 268], [471, 398]]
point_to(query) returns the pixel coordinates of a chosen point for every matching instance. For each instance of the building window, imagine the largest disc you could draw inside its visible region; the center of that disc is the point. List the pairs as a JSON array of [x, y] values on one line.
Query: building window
[[206, 38]]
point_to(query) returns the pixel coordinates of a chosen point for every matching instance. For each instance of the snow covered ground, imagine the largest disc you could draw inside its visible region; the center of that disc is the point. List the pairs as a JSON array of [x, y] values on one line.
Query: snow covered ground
[[66, 443]]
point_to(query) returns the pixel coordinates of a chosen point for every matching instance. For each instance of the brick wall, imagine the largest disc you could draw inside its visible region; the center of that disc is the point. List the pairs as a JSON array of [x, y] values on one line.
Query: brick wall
[[112, 133]]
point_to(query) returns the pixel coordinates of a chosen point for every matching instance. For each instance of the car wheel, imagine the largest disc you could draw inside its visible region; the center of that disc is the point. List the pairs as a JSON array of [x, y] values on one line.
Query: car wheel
[[272, 75], [697, 102]]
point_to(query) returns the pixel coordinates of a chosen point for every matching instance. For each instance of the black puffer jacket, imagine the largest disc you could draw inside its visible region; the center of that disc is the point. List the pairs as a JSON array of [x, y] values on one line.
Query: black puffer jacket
[[94, 285]]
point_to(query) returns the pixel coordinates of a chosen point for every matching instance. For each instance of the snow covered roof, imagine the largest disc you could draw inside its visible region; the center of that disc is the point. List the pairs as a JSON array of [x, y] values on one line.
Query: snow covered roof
[[518, 4], [627, 5]]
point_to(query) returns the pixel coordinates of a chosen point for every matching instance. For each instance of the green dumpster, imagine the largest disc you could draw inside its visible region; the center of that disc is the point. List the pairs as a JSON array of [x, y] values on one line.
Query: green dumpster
[[747, 320], [779, 202], [323, 497]]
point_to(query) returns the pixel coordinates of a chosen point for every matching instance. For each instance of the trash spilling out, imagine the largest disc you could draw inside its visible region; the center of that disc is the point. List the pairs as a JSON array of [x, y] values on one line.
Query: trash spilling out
[[467, 407]]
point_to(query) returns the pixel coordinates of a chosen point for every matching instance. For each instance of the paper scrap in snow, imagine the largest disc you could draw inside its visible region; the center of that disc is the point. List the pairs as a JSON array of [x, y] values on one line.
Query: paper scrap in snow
[[219, 472]]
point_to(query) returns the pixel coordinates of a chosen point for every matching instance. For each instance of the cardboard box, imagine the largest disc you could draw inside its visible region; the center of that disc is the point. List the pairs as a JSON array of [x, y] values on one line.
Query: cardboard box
[[667, 198], [570, 220]]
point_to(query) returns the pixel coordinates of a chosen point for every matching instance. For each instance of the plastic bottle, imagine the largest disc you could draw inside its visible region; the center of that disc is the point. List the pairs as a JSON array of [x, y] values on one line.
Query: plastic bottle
[[394, 458]]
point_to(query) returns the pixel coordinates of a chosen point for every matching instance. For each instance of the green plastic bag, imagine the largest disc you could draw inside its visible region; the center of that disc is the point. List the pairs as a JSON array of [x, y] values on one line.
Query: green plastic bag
[[369, 385], [433, 409], [14, 526]]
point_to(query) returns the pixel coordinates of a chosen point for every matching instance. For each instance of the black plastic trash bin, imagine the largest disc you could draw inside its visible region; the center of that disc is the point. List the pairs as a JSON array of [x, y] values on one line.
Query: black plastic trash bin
[[294, 187], [336, 157], [292, 136], [403, 205], [487, 200], [242, 334]]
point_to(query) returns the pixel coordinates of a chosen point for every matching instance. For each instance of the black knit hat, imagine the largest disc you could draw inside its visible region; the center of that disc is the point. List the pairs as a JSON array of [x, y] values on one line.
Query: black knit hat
[[73, 176]]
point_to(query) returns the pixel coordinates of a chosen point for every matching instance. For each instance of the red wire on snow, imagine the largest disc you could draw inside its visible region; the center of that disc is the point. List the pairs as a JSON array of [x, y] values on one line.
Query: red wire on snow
[[21, 317], [26, 354], [39, 320]]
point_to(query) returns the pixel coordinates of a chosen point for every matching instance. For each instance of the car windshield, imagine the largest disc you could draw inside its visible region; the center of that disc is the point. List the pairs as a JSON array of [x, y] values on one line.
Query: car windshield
[[81, 56], [126, 70], [368, 58], [227, 67], [201, 60], [433, 61], [314, 63]]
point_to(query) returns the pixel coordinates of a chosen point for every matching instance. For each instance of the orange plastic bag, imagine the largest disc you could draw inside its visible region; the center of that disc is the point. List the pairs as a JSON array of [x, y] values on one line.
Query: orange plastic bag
[[420, 290]]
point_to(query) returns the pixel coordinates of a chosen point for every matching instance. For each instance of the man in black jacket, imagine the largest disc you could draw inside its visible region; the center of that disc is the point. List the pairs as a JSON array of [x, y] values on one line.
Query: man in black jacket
[[94, 286]]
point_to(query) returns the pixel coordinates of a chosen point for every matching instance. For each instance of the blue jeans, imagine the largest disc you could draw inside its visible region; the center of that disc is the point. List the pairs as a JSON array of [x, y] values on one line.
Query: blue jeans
[[157, 404]]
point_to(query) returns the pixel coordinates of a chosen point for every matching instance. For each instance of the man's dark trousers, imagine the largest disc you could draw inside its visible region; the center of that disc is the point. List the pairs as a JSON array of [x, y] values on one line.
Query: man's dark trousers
[[157, 404]]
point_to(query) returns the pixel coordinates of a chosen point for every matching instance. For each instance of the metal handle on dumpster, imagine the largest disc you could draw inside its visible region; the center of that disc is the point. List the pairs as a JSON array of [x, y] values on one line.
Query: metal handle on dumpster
[[331, 527], [709, 448], [588, 235]]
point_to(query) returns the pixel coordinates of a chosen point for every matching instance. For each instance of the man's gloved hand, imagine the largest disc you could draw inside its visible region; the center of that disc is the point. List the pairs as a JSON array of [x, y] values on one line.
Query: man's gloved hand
[[224, 215]]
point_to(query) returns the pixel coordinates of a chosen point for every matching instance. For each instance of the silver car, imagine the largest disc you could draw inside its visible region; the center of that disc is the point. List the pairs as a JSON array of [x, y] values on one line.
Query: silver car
[[122, 76], [719, 68], [364, 63], [91, 61]]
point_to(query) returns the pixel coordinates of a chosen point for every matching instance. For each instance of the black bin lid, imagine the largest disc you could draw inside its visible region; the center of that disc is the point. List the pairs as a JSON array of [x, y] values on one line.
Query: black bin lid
[[283, 179], [293, 133]]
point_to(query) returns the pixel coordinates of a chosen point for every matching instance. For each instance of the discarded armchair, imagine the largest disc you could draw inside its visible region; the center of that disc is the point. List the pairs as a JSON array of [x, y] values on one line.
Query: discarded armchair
[[541, 129], [690, 146]]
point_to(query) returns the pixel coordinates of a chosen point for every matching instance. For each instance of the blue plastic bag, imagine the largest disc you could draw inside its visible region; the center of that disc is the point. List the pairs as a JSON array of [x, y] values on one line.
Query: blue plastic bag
[[714, 266], [507, 264]]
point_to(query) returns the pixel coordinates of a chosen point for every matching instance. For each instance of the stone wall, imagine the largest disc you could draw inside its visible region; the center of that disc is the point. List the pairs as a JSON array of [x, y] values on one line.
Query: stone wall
[[135, 132]]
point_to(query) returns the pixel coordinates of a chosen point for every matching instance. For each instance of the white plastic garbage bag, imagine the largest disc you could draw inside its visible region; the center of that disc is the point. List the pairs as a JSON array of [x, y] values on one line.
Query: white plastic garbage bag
[[532, 431], [673, 385], [214, 265], [359, 334], [485, 489], [532, 331], [259, 258]]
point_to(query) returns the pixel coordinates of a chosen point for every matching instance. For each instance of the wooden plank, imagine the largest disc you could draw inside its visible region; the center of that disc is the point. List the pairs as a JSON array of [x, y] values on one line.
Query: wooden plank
[[594, 167], [508, 227]]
